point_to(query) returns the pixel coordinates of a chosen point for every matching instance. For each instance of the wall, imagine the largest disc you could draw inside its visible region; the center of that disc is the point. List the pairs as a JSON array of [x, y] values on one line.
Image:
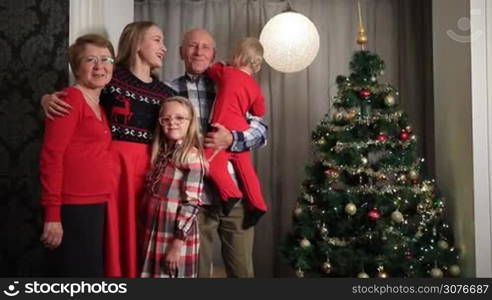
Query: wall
[[33, 41], [453, 122]]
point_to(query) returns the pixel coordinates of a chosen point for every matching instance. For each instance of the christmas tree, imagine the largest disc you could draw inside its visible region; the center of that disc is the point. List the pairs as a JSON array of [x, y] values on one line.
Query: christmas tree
[[365, 209]]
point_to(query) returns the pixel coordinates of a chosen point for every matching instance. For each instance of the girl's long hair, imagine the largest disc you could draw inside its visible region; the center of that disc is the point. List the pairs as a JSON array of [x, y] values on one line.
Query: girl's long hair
[[191, 140], [130, 38]]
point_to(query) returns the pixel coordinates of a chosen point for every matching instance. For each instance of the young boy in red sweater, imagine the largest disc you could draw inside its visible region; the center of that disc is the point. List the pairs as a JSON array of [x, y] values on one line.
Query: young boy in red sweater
[[238, 94]]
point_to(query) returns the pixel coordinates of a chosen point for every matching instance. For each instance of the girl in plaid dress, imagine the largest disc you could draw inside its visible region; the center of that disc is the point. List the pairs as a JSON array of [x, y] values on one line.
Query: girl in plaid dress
[[171, 203]]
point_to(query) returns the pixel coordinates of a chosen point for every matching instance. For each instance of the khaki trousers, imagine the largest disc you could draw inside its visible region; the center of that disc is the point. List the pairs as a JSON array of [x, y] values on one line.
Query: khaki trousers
[[236, 242]]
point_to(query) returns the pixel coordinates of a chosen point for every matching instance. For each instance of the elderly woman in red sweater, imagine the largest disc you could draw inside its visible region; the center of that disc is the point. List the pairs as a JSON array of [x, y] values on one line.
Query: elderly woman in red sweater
[[76, 183]]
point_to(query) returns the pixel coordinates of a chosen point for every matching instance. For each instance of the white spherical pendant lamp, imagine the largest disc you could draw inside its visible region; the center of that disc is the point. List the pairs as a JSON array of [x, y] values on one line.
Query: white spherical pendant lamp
[[290, 42]]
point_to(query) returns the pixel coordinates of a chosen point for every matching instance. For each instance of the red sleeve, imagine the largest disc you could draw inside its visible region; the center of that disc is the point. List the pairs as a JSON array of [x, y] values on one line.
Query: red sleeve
[[216, 71], [258, 107], [57, 136]]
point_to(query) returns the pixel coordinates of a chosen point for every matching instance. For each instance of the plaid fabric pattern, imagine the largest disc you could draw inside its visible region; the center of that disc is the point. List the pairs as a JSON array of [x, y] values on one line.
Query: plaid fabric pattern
[[169, 210], [200, 90]]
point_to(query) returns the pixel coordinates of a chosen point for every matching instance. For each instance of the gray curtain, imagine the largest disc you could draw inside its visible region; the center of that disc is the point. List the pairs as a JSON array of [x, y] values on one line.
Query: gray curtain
[[399, 31]]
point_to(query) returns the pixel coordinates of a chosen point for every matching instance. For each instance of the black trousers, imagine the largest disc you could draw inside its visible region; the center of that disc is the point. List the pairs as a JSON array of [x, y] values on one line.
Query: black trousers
[[81, 252]]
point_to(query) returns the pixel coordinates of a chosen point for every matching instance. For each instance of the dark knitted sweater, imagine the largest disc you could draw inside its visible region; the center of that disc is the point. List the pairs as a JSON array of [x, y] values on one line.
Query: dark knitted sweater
[[132, 106]]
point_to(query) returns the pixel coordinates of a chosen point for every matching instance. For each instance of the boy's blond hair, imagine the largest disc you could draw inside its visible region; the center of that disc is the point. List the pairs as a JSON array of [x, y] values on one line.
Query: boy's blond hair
[[248, 52]]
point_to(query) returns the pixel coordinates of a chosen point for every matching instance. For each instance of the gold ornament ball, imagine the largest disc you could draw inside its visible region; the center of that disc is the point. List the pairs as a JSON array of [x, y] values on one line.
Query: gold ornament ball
[[326, 267], [443, 244], [382, 274], [436, 273], [364, 160], [389, 100], [397, 216], [454, 270], [350, 209], [413, 174], [299, 273], [408, 129], [305, 243], [362, 275], [338, 116], [321, 141], [362, 37]]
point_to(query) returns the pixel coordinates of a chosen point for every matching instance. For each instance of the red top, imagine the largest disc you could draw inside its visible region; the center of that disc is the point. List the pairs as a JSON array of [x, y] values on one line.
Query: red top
[[75, 158], [237, 94]]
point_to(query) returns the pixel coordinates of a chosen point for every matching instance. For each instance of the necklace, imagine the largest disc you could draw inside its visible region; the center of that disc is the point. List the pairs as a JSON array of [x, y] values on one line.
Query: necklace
[[89, 97], [95, 104]]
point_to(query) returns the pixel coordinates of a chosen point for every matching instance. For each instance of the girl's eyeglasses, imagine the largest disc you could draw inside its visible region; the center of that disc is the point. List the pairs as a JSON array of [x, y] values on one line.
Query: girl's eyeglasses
[[168, 120]]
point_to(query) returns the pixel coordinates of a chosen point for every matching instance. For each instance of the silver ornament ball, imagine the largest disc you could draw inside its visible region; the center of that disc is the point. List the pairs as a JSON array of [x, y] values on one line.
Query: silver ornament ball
[[454, 270], [298, 211], [305, 243], [397, 216], [299, 273], [413, 174], [443, 244]]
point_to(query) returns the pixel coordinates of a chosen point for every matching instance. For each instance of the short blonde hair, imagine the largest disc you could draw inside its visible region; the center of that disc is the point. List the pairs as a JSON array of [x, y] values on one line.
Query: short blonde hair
[[248, 52], [130, 38], [75, 50]]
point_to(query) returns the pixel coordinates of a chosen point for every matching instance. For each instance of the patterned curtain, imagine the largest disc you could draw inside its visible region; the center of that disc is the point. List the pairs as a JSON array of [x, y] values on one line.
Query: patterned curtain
[[33, 43]]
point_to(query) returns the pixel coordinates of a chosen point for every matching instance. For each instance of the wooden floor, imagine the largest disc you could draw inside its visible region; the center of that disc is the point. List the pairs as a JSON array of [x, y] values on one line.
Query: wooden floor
[[219, 272]]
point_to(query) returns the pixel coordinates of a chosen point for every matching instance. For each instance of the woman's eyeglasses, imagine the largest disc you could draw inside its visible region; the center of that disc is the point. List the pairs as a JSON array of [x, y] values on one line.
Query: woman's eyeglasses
[[169, 119], [91, 59]]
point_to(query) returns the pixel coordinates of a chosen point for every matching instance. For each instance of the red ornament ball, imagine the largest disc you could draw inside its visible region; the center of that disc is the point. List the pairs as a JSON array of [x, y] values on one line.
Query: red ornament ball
[[374, 214], [404, 136], [382, 137], [365, 93], [330, 171]]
